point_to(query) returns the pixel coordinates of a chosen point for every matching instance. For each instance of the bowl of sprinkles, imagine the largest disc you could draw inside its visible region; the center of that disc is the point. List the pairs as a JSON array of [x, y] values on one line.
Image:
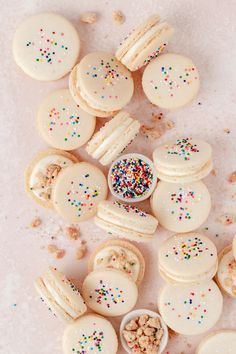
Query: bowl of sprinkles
[[132, 178]]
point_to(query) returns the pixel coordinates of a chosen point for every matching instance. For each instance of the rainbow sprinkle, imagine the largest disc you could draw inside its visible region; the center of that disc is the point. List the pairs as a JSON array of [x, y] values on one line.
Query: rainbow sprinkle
[[182, 198], [89, 343], [130, 209], [105, 294], [131, 178], [155, 54], [183, 148]]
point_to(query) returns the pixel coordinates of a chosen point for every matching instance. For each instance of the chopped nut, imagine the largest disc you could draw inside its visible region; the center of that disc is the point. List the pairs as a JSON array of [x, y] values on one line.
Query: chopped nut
[[89, 17], [142, 320], [72, 233], [150, 132], [60, 254], [131, 326], [169, 124], [52, 248], [232, 177], [81, 251], [36, 222], [227, 219], [118, 17], [154, 322]]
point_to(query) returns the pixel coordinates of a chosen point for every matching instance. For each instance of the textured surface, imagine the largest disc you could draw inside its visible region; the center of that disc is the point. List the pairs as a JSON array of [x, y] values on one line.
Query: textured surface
[[204, 32]]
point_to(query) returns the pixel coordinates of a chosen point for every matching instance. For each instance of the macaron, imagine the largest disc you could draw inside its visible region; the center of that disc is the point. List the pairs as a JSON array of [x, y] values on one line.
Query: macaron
[[190, 309], [90, 334], [188, 258], [46, 46], [60, 295], [144, 43], [181, 207], [223, 341], [234, 246], [126, 221], [42, 173], [121, 255], [113, 138], [100, 84], [109, 292], [62, 123], [78, 191], [226, 274], [171, 81], [132, 178], [183, 160]]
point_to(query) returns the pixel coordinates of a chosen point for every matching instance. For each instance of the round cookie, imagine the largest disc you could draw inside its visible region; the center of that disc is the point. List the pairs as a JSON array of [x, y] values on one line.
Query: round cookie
[[220, 342], [90, 334], [110, 292], [183, 160], [46, 46], [171, 81], [132, 178], [191, 309], [144, 43], [181, 207], [62, 123], [226, 274], [121, 255], [100, 84], [188, 258], [42, 172], [78, 190]]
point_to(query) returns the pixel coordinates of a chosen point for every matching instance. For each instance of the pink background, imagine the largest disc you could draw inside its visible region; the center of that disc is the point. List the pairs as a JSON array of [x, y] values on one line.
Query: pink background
[[205, 31]]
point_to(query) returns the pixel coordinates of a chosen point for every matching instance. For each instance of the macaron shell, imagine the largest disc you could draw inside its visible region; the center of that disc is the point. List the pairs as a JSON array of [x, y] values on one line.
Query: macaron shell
[[62, 123], [36, 174], [223, 341], [188, 257], [191, 310], [181, 207], [171, 81], [78, 191], [122, 245], [226, 274], [90, 333], [110, 292], [46, 46]]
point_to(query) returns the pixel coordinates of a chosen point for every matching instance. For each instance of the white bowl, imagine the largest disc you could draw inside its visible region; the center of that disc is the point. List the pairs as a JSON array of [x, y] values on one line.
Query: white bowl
[[137, 313], [145, 195]]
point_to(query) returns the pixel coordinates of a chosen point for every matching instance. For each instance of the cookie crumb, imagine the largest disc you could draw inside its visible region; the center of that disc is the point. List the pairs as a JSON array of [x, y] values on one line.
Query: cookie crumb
[[88, 17], [227, 219], [234, 196], [150, 132], [172, 333], [157, 117], [59, 254], [169, 125], [227, 131], [52, 248], [36, 222], [118, 17], [213, 172], [232, 177], [72, 233], [81, 251]]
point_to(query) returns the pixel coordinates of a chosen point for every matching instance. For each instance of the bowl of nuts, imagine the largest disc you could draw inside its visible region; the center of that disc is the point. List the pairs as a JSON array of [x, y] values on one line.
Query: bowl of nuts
[[143, 331]]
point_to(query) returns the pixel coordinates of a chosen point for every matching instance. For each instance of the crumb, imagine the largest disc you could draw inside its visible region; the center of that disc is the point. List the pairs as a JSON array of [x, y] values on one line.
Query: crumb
[[88, 17], [189, 345], [227, 219], [227, 131], [172, 333], [52, 248], [213, 172], [157, 117], [150, 132], [234, 196], [232, 177], [72, 233], [118, 17], [59, 254], [169, 124], [81, 251], [36, 222]]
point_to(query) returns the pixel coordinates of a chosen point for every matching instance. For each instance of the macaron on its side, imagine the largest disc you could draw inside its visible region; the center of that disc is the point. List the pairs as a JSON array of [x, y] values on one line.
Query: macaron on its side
[[113, 138], [46, 46], [191, 309], [78, 191], [109, 292], [62, 123], [226, 274], [121, 255], [42, 173], [222, 341], [90, 333]]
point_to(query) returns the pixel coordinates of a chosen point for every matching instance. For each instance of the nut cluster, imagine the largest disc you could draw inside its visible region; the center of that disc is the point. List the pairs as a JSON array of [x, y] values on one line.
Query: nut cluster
[[143, 334]]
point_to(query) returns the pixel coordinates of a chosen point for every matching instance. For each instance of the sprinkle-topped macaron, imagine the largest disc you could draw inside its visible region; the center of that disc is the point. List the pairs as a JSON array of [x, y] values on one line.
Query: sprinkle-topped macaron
[[100, 84], [90, 334], [171, 81], [191, 309], [132, 178], [46, 46], [77, 192], [62, 123]]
